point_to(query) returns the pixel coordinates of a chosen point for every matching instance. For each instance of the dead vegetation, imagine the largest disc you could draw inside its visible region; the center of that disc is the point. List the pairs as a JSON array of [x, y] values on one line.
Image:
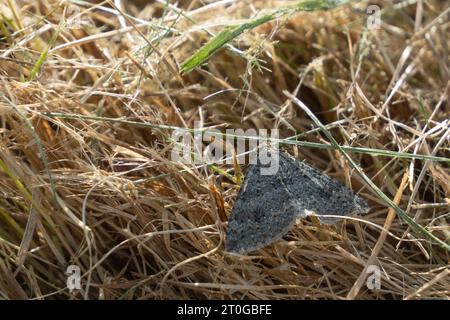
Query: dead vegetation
[[86, 176]]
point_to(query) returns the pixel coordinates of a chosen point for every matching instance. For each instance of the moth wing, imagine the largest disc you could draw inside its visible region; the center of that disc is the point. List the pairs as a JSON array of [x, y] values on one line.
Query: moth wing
[[263, 212], [317, 192], [268, 205]]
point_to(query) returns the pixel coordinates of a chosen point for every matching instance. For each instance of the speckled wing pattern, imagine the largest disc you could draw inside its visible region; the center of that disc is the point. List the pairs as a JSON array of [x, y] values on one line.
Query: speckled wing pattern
[[267, 206]]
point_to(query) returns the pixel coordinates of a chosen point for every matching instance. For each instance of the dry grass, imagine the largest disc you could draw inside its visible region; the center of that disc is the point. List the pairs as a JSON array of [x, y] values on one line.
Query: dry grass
[[104, 195]]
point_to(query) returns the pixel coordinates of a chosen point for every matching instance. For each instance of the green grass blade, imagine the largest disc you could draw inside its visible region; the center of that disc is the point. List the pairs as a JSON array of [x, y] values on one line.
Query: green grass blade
[[231, 32], [40, 62], [287, 141]]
